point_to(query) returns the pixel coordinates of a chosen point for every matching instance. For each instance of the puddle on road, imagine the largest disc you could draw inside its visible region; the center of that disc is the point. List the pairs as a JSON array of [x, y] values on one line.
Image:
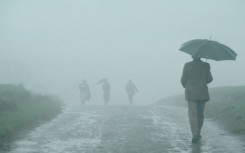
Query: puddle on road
[[69, 132], [178, 132], [80, 130]]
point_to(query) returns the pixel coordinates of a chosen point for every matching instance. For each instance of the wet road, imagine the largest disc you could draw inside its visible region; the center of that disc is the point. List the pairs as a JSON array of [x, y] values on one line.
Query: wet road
[[125, 129]]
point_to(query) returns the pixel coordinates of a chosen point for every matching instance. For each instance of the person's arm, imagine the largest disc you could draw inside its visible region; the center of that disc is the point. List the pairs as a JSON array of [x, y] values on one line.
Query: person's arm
[[209, 76], [89, 93], [135, 88], [184, 76]]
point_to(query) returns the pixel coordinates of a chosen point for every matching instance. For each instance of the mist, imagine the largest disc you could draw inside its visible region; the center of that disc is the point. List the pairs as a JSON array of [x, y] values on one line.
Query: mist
[[52, 46]]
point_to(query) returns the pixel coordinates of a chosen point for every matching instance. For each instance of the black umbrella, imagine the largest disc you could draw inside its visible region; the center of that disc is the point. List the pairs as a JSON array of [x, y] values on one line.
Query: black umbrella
[[101, 81], [208, 49]]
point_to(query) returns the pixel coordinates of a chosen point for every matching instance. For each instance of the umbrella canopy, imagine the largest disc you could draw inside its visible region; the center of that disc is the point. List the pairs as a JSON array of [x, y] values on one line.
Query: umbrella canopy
[[209, 49], [101, 81]]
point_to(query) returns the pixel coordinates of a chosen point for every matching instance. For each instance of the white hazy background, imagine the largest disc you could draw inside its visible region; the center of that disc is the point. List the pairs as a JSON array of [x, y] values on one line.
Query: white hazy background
[[50, 46]]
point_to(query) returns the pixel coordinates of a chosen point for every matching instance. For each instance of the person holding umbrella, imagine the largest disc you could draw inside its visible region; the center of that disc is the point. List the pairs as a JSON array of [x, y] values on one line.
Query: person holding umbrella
[[196, 75], [106, 89]]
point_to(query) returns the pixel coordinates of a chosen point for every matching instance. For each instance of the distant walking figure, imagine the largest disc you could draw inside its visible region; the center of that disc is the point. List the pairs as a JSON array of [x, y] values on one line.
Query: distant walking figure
[[195, 77], [85, 94], [131, 90], [106, 91]]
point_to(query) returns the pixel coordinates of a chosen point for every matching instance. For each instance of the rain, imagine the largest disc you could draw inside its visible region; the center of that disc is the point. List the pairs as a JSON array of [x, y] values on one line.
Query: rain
[[52, 46]]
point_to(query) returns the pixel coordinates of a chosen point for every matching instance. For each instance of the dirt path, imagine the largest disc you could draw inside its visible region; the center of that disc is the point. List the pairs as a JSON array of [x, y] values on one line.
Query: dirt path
[[125, 129]]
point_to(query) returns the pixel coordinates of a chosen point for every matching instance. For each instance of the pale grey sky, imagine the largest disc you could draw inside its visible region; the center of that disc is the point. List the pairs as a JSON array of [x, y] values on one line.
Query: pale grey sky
[[52, 45]]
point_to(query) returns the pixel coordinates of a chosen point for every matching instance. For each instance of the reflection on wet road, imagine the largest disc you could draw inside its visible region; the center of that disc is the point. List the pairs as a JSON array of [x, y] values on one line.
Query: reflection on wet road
[[125, 129]]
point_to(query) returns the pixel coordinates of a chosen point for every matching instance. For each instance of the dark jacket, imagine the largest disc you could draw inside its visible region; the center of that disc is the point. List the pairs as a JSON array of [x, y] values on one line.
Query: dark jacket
[[195, 77]]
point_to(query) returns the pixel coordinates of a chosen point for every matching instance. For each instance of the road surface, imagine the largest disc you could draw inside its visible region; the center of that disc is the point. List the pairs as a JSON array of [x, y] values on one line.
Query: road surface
[[125, 129]]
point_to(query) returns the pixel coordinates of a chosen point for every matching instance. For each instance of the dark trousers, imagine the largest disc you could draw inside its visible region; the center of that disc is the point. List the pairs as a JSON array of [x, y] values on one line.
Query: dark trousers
[[196, 117]]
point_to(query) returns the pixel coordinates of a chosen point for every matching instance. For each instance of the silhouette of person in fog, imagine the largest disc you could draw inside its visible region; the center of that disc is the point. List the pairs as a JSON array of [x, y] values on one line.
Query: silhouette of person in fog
[[106, 91], [85, 94], [131, 90], [195, 77]]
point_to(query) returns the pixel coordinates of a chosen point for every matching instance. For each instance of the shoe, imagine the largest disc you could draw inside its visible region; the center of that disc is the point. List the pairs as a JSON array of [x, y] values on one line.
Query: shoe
[[195, 139], [199, 136]]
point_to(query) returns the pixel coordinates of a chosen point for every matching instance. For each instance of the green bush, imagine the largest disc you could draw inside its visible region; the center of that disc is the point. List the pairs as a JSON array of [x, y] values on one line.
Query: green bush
[[21, 109], [227, 106]]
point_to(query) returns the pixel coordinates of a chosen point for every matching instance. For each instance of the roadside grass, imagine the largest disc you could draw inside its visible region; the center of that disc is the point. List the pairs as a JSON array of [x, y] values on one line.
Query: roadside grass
[[227, 106], [21, 109]]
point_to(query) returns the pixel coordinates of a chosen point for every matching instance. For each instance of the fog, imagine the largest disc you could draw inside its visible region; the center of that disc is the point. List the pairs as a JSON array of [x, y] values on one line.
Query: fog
[[50, 46]]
